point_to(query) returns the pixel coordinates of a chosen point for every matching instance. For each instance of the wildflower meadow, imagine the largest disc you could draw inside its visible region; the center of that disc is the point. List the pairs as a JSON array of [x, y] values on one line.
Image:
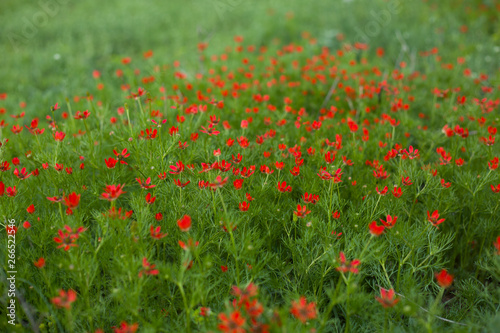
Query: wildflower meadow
[[285, 178]]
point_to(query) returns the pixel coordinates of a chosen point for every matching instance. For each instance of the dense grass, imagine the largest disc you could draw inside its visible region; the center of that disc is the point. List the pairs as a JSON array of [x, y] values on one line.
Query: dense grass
[[312, 46]]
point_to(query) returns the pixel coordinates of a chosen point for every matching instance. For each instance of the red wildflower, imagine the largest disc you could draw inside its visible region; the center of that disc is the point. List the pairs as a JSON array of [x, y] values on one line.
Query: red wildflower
[[64, 299], [497, 245], [434, 218], [495, 189], [406, 181], [110, 162], [232, 324], [184, 223], [346, 266], [383, 192], [301, 211], [391, 221], [59, 136], [387, 299], [21, 174], [180, 184], [245, 294], [68, 239], [282, 187], [126, 328], [40, 263], [177, 168], [189, 245], [31, 209], [112, 192], [445, 184], [302, 310], [397, 192], [444, 279], [113, 213], [121, 156], [310, 198], [72, 200], [156, 232], [375, 229], [146, 183], [244, 206], [148, 268], [12, 191], [218, 183]]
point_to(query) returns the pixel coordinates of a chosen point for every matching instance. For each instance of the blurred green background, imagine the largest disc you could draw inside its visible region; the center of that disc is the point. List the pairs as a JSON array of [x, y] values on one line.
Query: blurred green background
[[49, 48]]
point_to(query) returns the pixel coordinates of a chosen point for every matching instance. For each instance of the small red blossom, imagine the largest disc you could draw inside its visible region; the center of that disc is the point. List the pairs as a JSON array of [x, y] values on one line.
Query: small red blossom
[[156, 232], [243, 206], [112, 192], [301, 211], [387, 298], [148, 268], [434, 218], [65, 299], [389, 222], [302, 310], [375, 229], [184, 223], [444, 279], [40, 263], [233, 324], [145, 185], [346, 266]]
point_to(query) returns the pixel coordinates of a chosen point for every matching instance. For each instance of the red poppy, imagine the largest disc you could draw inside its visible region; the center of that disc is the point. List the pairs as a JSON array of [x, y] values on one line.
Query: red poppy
[[31, 209], [434, 218], [121, 156], [126, 328], [148, 268], [301, 211], [156, 232], [397, 192], [383, 192], [40, 263], [238, 183], [390, 221], [59, 136], [282, 187], [112, 192], [387, 298], [375, 229], [218, 183], [233, 324], [72, 200], [496, 243], [302, 310], [65, 299], [184, 223], [177, 168], [114, 213], [21, 174], [346, 266], [110, 162], [310, 198], [145, 185], [243, 206], [190, 245], [444, 279]]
